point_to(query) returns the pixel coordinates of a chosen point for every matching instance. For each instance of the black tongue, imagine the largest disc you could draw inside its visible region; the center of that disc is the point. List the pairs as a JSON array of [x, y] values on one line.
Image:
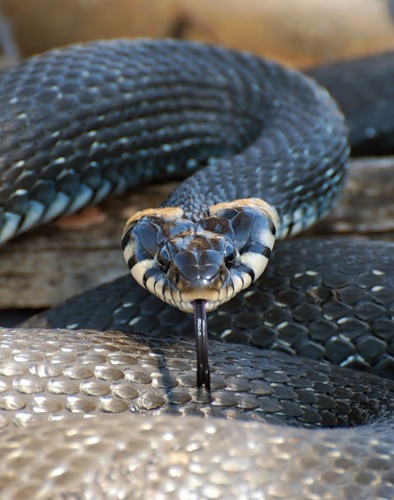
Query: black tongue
[[201, 331]]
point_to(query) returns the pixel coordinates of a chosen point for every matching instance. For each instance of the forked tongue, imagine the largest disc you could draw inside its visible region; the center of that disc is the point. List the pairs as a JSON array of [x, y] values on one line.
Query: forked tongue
[[201, 332]]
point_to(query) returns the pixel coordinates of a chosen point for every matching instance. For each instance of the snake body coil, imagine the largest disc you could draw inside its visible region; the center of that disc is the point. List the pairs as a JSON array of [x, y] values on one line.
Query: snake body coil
[[81, 123], [91, 120]]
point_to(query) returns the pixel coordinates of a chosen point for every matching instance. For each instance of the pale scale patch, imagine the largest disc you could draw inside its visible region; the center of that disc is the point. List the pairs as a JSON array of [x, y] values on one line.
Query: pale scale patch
[[139, 269], [33, 215], [256, 262], [155, 286], [284, 226], [169, 213], [58, 206], [269, 240], [103, 191], [257, 203], [247, 280], [200, 294], [129, 250], [83, 197], [10, 226], [238, 284], [297, 228]]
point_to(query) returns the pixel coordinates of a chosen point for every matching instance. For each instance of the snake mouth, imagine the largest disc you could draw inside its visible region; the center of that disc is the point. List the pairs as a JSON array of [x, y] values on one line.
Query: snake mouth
[[211, 294], [187, 306]]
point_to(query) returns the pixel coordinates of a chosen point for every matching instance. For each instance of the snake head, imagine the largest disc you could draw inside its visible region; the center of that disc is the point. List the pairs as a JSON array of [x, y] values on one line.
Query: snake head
[[182, 261]]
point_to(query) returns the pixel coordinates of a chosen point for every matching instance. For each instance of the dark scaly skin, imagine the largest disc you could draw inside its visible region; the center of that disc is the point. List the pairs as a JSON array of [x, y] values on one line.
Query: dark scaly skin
[[363, 81], [116, 114], [312, 306], [169, 450], [302, 302]]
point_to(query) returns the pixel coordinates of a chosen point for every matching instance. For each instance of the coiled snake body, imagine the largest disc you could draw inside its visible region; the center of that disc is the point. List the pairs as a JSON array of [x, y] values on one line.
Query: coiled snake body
[[87, 121]]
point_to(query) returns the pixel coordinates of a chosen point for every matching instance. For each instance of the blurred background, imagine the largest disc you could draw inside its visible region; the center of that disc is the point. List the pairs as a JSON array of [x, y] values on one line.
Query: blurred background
[[77, 253], [298, 33]]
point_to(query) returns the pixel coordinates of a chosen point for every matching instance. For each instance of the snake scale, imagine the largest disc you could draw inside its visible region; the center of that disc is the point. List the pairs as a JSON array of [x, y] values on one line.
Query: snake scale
[[72, 123]]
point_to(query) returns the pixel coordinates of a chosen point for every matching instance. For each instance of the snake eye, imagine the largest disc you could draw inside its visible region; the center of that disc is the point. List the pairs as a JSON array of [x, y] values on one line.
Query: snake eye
[[164, 259], [230, 254]]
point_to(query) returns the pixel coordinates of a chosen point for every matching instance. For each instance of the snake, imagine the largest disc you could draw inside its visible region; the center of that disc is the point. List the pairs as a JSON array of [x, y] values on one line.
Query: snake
[[298, 402]]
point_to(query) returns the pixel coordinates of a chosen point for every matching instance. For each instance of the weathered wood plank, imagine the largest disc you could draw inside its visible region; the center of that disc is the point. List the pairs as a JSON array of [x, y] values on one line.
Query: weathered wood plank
[[367, 203]]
